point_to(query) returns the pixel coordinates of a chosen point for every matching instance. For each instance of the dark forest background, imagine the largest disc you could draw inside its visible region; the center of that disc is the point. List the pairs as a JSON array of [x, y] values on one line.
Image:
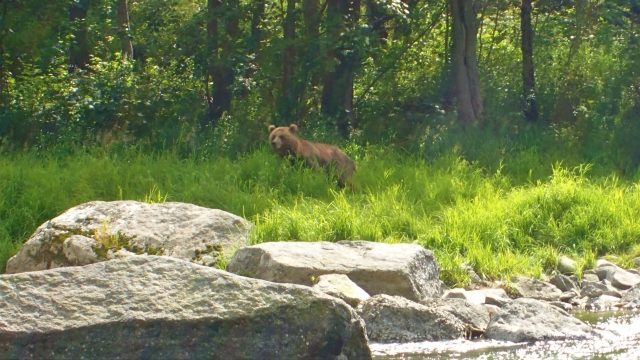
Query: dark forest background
[[427, 76]]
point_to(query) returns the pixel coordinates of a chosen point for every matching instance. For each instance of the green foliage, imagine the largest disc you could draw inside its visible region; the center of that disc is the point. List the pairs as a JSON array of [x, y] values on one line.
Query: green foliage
[[502, 196], [460, 210]]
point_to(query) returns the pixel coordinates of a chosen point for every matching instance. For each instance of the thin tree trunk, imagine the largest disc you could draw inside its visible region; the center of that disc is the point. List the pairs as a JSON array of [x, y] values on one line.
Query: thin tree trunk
[[466, 81], [219, 71], [337, 92], [377, 20], [124, 33], [256, 19], [4, 91], [528, 69], [79, 48], [288, 87], [310, 59]]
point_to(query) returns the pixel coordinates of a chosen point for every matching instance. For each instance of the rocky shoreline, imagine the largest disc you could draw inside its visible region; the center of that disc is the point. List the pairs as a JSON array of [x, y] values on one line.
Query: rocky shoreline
[[132, 280]]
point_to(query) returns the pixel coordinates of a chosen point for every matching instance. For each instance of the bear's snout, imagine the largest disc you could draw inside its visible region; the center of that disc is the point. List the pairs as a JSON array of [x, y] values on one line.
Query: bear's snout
[[276, 142]]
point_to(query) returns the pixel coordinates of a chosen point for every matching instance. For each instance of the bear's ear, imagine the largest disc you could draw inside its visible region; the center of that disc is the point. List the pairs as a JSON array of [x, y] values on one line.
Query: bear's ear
[[293, 128], [271, 128]]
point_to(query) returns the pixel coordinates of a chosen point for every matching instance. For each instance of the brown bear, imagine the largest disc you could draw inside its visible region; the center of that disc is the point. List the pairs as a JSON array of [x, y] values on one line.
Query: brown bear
[[285, 142]]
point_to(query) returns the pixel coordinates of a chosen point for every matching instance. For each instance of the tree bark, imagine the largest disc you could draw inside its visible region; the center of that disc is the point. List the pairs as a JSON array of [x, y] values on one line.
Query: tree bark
[[4, 91], [256, 19], [288, 91], [219, 70], [466, 83], [79, 48], [337, 92], [124, 33], [528, 69]]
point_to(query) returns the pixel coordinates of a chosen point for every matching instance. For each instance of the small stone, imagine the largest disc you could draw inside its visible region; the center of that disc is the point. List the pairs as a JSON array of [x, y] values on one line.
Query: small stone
[[590, 276], [567, 266], [340, 286]]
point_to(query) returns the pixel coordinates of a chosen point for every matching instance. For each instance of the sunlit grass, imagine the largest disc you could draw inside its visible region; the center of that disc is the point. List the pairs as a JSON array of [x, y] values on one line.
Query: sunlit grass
[[463, 212]]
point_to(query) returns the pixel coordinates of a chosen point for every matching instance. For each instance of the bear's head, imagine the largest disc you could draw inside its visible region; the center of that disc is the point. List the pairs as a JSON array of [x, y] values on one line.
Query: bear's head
[[283, 138]]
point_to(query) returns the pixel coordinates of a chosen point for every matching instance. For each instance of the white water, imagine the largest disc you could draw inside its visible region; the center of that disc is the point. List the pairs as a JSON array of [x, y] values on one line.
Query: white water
[[619, 339]]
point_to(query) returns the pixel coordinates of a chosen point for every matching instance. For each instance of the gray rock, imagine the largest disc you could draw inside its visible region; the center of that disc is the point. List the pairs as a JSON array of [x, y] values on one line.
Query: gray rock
[[474, 316], [631, 298], [566, 265], [473, 297], [406, 270], [533, 320], [478, 297], [396, 319], [619, 278], [535, 289], [342, 287], [564, 282], [184, 231], [165, 308], [590, 276], [601, 303], [592, 289], [562, 305], [79, 250], [636, 262], [603, 262], [568, 296]]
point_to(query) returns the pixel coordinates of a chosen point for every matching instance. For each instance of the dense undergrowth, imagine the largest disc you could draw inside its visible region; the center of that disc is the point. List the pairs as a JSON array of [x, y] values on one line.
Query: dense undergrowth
[[504, 218]]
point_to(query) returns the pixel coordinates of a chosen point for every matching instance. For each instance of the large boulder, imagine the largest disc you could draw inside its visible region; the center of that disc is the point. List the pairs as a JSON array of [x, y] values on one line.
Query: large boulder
[[92, 231], [526, 319], [164, 308], [396, 319], [406, 270]]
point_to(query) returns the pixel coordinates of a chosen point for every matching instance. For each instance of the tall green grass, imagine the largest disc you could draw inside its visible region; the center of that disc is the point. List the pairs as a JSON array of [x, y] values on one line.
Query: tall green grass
[[465, 213]]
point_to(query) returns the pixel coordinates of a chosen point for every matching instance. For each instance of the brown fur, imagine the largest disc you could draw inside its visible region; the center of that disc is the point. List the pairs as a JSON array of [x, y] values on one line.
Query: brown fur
[[286, 142]]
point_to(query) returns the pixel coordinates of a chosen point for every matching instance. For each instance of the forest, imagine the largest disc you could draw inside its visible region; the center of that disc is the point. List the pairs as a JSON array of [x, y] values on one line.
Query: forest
[[500, 134]]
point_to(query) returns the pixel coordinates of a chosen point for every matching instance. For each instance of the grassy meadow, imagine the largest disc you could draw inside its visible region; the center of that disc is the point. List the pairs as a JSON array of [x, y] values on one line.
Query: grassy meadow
[[513, 216]]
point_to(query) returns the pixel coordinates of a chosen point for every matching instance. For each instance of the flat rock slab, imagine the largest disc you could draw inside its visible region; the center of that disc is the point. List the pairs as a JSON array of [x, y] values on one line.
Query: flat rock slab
[[526, 319], [87, 233], [396, 319], [164, 308], [535, 289], [406, 270]]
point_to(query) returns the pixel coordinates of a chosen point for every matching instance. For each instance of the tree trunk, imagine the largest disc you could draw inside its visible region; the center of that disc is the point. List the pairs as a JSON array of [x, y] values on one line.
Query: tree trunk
[[124, 33], [4, 91], [337, 92], [466, 83], [568, 97], [219, 70], [79, 48], [288, 91], [528, 70], [256, 19]]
